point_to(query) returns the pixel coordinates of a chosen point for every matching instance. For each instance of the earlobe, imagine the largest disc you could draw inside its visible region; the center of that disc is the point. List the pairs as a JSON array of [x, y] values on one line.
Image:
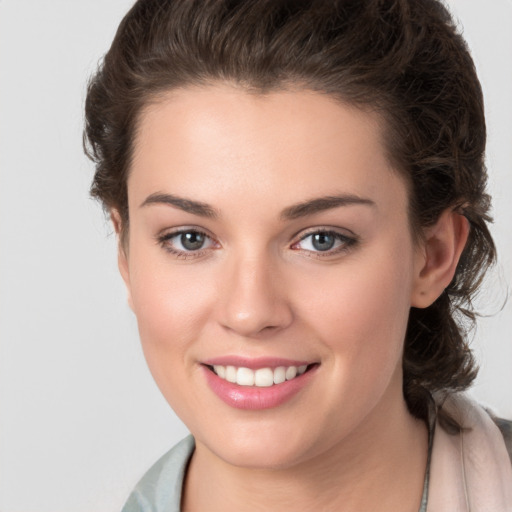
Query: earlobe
[[122, 257], [438, 258]]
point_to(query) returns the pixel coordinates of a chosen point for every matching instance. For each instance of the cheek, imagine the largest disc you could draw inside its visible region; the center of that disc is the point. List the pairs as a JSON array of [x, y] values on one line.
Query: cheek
[[172, 304], [361, 311], [171, 311]]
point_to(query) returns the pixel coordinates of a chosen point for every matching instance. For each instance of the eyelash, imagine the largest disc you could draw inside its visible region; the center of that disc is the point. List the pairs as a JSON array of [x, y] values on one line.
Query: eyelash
[[164, 242], [346, 243]]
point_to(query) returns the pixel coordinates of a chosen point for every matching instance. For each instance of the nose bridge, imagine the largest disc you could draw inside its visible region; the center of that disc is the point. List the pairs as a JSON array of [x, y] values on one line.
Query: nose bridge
[[253, 299]]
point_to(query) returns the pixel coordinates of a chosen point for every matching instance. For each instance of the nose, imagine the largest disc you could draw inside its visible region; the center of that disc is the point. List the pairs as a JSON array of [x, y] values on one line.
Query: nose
[[253, 298]]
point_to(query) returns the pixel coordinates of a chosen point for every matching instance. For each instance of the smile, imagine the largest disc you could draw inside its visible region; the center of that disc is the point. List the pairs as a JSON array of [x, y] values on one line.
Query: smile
[[257, 384], [261, 377]]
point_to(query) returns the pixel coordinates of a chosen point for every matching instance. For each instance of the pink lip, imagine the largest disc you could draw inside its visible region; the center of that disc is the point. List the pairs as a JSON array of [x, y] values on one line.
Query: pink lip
[[253, 363], [256, 398]]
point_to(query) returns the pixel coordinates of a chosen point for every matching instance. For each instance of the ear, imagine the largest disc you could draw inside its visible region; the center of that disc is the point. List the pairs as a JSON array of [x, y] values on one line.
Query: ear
[[122, 256], [438, 257]]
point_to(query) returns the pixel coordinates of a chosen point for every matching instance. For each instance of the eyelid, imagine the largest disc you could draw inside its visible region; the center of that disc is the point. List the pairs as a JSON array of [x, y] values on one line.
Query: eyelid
[[348, 240], [164, 236], [345, 232]]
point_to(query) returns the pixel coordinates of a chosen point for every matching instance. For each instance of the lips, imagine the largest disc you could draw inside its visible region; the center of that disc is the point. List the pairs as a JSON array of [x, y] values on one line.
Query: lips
[[257, 383]]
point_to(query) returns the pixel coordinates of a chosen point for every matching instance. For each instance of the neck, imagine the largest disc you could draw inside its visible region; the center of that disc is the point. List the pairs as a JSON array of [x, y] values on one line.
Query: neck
[[379, 467]]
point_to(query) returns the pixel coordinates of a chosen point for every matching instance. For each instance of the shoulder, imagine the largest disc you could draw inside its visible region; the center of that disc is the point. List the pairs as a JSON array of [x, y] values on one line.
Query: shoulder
[[505, 427], [160, 488], [479, 422], [470, 464]]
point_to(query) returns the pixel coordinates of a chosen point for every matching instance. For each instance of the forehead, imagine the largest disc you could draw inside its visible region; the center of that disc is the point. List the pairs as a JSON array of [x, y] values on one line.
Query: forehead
[[213, 141]]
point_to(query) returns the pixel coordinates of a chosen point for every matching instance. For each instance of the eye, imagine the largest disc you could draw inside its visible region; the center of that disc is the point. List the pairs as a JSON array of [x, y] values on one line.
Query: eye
[[324, 241], [191, 241], [186, 242]]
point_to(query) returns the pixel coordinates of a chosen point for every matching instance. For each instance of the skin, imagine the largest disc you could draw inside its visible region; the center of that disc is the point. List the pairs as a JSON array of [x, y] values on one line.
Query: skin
[[259, 288]]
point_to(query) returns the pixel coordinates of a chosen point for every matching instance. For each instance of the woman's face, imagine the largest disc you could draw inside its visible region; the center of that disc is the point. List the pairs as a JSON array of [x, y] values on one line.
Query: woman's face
[[268, 235]]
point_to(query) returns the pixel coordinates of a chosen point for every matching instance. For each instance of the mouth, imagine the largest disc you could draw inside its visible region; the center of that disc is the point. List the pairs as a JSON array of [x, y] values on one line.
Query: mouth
[[261, 377], [257, 384]]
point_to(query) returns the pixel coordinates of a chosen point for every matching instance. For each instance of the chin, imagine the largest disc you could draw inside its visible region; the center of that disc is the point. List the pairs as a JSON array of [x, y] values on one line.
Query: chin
[[264, 446], [261, 457]]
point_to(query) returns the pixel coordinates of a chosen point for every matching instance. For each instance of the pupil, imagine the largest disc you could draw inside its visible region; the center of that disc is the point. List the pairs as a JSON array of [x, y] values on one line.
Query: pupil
[[323, 241], [192, 241]]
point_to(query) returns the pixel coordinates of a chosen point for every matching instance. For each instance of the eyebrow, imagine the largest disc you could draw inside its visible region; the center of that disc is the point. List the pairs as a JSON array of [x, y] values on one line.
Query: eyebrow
[[187, 205], [296, 211], [320, 204]]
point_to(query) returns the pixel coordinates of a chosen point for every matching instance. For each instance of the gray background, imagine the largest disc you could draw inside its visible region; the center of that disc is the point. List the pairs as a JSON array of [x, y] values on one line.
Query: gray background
[[80, 417]]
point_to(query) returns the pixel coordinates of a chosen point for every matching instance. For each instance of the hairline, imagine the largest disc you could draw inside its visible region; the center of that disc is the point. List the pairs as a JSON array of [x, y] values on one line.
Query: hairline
[[151, 99]]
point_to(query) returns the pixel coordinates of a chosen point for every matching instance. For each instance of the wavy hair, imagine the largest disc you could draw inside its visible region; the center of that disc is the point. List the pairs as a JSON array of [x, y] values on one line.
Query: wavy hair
[[404, 59]]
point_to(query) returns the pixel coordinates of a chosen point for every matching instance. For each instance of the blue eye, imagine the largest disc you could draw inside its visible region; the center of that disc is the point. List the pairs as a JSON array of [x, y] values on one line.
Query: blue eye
[[329, 242], [186, 242], [323, 241]]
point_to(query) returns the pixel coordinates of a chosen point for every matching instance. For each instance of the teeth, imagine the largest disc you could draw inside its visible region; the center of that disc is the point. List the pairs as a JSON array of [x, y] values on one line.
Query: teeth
[[220, 371], [245, 377], [279, 375], [263, 377], [291, 372], [230, 374]]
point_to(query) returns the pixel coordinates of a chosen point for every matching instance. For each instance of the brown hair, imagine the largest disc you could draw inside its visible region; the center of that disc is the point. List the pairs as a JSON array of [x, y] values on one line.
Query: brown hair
[[402, 58]]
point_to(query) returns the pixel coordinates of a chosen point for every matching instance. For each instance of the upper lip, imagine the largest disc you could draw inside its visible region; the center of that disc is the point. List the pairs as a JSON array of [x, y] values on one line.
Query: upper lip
[[254, 363]]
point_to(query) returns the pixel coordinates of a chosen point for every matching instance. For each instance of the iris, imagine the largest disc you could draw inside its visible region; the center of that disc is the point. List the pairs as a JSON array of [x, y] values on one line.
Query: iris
[[323, 241], [192, 241]]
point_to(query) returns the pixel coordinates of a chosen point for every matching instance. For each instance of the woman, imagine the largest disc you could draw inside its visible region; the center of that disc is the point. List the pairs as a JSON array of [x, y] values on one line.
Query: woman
[[299, 194]]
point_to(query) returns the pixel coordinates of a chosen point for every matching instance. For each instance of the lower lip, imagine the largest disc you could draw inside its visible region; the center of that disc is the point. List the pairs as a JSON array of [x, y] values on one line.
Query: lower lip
[[256, 398]]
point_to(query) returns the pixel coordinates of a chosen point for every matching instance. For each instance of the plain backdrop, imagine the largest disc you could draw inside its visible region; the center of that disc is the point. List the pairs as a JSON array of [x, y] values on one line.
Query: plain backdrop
[[80, 418]]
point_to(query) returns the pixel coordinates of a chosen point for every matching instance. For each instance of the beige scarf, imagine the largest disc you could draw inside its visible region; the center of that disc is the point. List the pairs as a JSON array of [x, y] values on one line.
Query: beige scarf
[[470, 471]]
